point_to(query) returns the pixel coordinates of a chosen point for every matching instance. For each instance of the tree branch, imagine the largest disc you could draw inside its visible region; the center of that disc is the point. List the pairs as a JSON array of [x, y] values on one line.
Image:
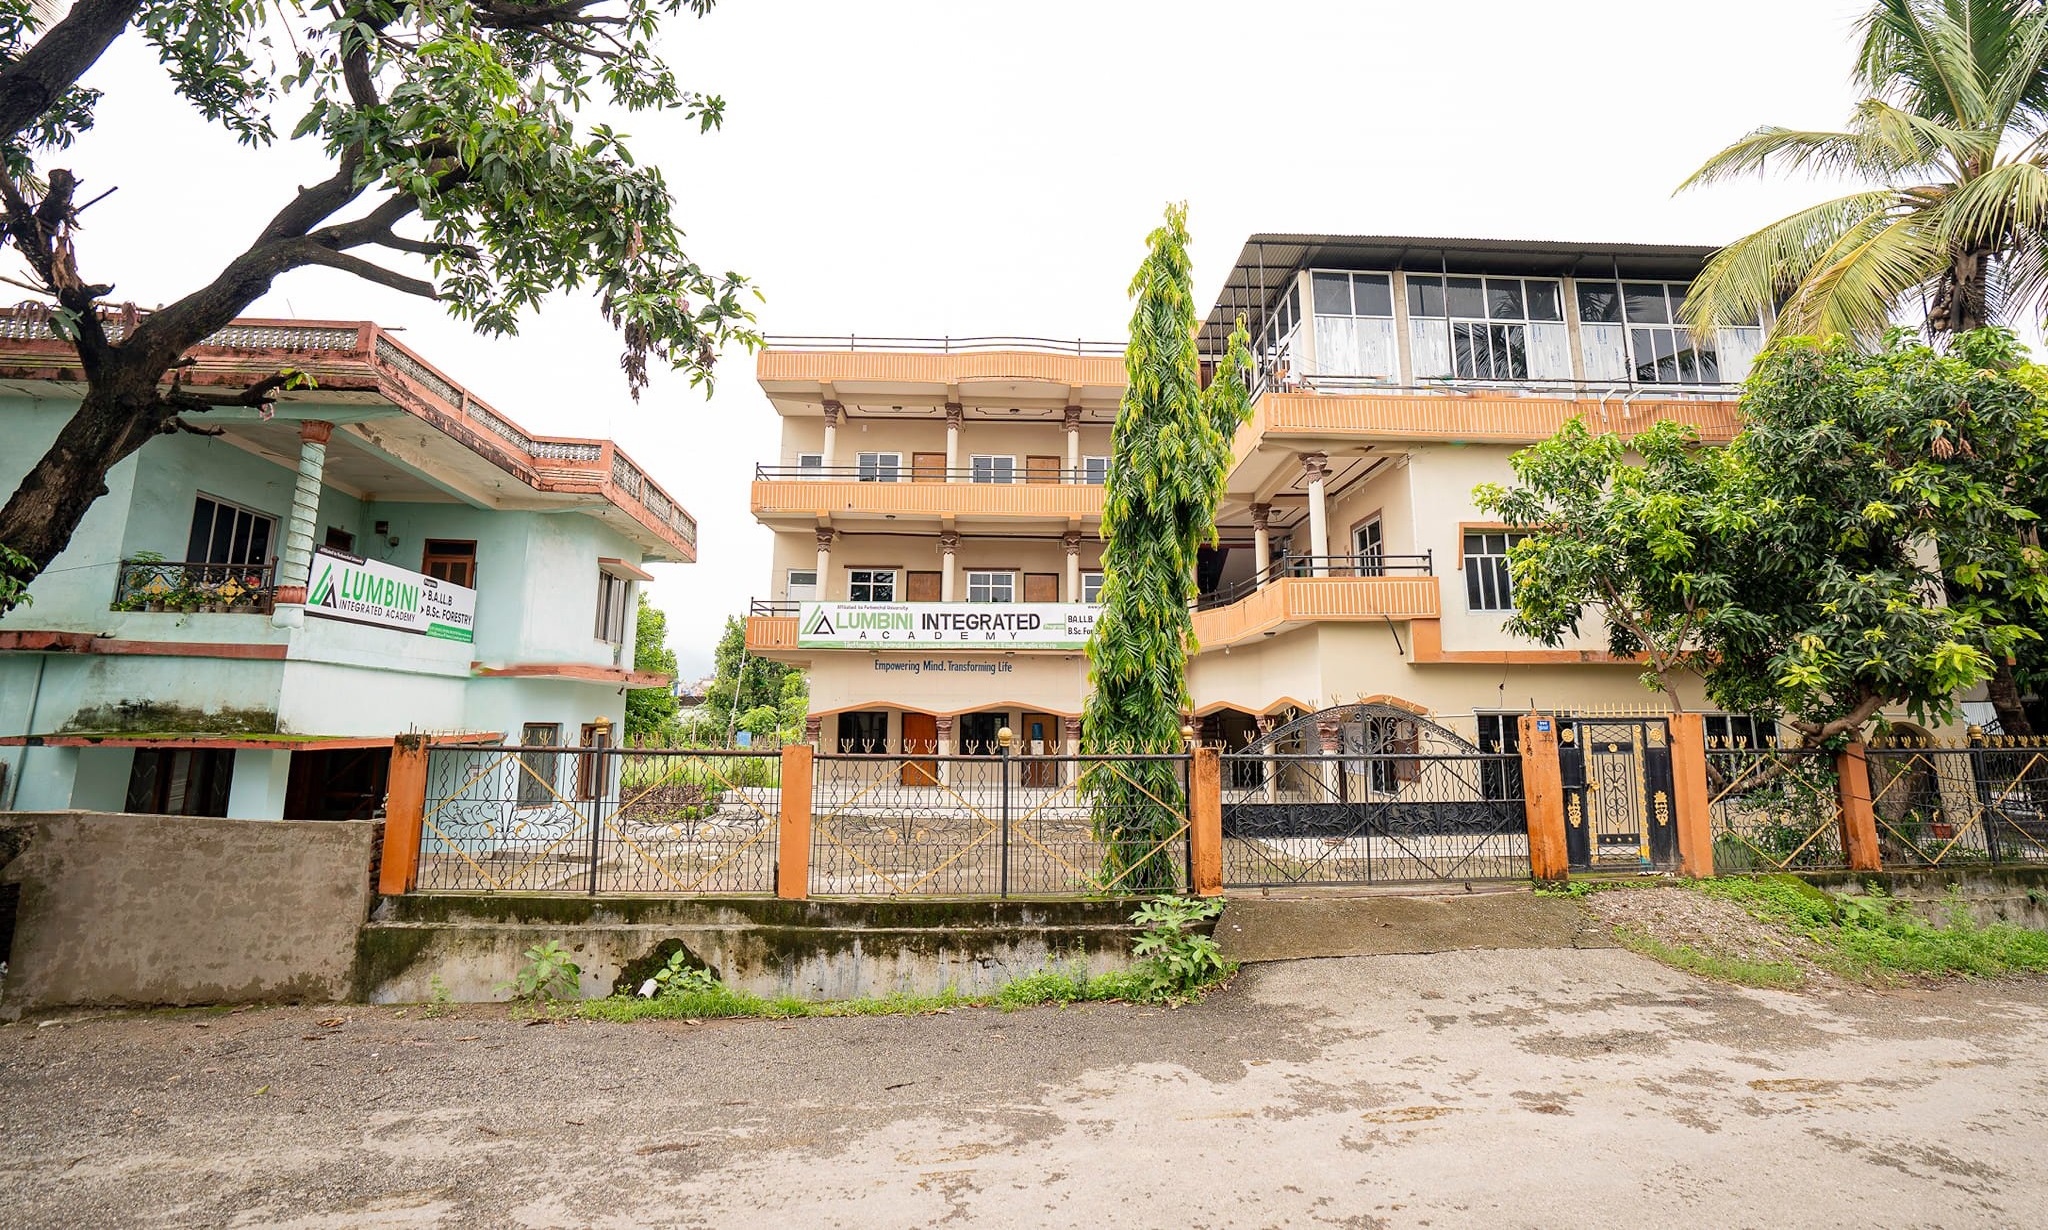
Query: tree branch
[[32, 84], [315, 254]]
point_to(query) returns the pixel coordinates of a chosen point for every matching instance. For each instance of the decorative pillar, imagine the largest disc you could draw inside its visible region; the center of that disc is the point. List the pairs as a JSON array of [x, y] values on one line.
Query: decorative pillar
[[1070, 745], [1271, 769], [949, 546], [814, 730], [943, 729], [1330, 769], [289, 606], [1073, 425], [1315, 467], [830, 456], [955, 415], [825, 535], [1072, 542], [1262, 543]]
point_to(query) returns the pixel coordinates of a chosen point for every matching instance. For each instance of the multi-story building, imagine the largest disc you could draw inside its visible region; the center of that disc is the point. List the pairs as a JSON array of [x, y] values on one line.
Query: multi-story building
[[937, 507], [245, 620]]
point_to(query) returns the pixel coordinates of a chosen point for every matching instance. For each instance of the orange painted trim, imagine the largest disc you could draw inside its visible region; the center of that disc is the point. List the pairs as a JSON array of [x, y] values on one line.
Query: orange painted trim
[[405, 806], [1691, 796], [1296, 600], [1474, 416], [578, 671], [1543, 788], [935, 367], [1426, 648], [1205, 821], [838, 499], [619, 567], [1285, 702], [88, 643], [1859, 815], [1397, 702], [793, 832]]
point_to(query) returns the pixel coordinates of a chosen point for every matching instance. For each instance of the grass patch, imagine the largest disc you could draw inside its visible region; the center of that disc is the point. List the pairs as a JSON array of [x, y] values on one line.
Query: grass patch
[[723, 1002], [1879, 938], [1778, 975]]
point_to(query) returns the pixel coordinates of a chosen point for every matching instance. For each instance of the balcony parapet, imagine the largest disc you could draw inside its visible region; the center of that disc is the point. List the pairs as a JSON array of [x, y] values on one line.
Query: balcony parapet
[[1292, 600], [1490, 415], [788, 495]]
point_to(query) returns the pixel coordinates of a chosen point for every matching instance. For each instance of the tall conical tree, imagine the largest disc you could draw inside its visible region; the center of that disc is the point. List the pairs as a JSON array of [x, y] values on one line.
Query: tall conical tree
[[1168, 460]]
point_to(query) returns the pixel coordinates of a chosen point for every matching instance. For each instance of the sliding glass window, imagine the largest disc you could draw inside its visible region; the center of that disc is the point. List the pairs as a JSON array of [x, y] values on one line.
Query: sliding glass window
[[1355, 325], [1631, 331], [1488, 328]]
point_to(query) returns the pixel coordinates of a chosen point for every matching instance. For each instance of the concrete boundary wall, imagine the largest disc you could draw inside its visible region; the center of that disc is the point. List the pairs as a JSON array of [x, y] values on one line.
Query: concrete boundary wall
[[119, 909]]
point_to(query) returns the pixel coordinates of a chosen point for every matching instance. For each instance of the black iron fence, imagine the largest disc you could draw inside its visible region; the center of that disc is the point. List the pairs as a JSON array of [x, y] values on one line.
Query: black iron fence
[[1372, 819], [182, 585], [609, 820], [1939, 806], [911, 825], [1774, 809]]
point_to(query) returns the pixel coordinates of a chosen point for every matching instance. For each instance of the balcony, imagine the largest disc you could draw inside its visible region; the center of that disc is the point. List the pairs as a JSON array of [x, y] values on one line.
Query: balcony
[[1468, 413], [809, 492], [1307, 589], [147, 584]]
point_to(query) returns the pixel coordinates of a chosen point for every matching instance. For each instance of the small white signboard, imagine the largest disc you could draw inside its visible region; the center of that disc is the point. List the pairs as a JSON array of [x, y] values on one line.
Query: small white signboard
[[366, 591]]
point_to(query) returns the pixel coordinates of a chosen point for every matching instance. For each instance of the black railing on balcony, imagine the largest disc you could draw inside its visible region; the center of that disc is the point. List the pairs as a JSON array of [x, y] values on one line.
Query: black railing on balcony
[[192, 585], [903, 473], [769, 606], [1375, 565]]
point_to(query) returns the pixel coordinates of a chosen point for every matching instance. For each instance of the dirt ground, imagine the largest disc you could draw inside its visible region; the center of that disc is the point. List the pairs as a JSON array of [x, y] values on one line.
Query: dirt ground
[[1539, 1087]]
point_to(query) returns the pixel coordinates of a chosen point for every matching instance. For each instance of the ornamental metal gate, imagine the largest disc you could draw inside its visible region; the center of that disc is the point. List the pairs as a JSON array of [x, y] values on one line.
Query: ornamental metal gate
[[1617, 793]]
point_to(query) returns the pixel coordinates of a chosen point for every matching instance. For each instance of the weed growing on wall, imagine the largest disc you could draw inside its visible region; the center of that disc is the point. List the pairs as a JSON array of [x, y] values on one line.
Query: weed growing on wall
[[549, 974]]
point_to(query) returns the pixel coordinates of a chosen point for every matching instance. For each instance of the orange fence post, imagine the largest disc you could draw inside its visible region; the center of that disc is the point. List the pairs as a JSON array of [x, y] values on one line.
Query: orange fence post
[[1692, 798], [405, 807], [793, 837], [1859, 817], [1205, 821], [1543, 799]]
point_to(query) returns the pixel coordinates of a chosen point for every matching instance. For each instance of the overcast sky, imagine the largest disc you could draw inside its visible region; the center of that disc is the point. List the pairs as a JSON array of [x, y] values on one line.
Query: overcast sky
[[918, 169]]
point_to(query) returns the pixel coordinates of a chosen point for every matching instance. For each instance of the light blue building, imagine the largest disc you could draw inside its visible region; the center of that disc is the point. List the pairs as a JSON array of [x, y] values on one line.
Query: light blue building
[[244, 622]]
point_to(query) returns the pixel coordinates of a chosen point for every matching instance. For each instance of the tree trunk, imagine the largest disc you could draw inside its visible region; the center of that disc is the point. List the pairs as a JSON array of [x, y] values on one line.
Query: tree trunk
[[1962, 301], [2004, 694], [112, 422]]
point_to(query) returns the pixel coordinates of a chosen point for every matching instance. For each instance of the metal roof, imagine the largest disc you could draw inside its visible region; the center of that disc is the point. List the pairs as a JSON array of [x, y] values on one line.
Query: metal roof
[[1268, 262]]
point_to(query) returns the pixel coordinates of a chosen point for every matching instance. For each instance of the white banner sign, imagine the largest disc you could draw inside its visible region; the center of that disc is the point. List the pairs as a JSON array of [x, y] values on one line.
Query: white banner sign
[[956, 625], [367, 591]]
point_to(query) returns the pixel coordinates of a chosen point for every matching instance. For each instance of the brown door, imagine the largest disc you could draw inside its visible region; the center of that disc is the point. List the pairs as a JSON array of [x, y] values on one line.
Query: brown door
[[1041, 469], [1041, 587], [920, 735], [446, 559], [922, 587], [1039, 741], [927, 467]]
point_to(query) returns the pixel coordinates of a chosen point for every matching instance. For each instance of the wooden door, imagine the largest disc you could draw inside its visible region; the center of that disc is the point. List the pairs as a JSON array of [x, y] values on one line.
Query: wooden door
[[927, 467], [1041, 587], [1039, 741], [922, 587], [920, 735], [1041, 469]]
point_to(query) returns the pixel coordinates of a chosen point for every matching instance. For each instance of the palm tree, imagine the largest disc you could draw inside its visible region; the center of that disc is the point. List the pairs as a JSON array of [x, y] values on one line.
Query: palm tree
[[1954, 131]]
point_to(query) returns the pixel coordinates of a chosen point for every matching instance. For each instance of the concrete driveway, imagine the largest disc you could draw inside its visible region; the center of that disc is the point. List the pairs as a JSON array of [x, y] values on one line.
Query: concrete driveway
[[1540, 1087]]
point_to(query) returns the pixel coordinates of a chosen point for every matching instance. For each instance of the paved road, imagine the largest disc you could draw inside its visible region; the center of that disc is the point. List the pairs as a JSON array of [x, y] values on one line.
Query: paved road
[[1528, 1088]]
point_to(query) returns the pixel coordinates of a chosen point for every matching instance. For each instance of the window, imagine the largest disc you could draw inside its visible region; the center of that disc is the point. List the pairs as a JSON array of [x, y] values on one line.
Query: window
[[978, 733], [448, 560], [614, 603], [1739, 730], [339, 539], [1273, 348], [802, 585], [871, 585], [991, 587], [1488, 328], [1095, 470], [539, 772], [1632, 331], [1500, 733], [1486, 570], [988, 468], [224, 533], [1091, 587], [1368, 546], [180, 781], [880, 467], [865, 730], [810, 465], [1354, 324]]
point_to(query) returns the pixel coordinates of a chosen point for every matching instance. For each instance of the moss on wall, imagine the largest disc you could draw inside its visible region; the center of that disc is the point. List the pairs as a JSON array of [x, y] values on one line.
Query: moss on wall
[[140, 717]]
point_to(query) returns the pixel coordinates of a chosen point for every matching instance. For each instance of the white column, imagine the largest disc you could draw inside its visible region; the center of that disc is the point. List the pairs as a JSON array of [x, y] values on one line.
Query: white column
[[829, 457], [1072, 542], [289, 607], [256, 791], [954, 415], [825, 565], [945, 735], [1262, 542], [1073, 424], [949, 546], [1315, 467]]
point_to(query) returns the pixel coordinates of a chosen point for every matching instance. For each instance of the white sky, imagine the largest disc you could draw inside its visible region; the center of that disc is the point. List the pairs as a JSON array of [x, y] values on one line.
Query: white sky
[[919, 169]]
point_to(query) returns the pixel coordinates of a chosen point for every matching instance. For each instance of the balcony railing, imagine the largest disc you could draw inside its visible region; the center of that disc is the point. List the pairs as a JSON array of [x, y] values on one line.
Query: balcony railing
[[923, 474], [188, 585], [1423, 565], [941, 345]]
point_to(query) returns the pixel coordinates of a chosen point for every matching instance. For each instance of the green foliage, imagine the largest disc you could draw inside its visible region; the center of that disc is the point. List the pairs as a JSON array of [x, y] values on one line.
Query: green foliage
[[438, 1001], [1861, 543], [1878, 938], [1724, 967], [1169, 457], [1177, 962], [1570, 890], [753, 694], [1951, 199], [16, 571], [651, 712], [680, 978], [548, 974]]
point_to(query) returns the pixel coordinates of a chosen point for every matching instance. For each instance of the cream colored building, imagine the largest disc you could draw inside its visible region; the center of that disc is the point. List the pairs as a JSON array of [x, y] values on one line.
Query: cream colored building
[[942, 484]]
